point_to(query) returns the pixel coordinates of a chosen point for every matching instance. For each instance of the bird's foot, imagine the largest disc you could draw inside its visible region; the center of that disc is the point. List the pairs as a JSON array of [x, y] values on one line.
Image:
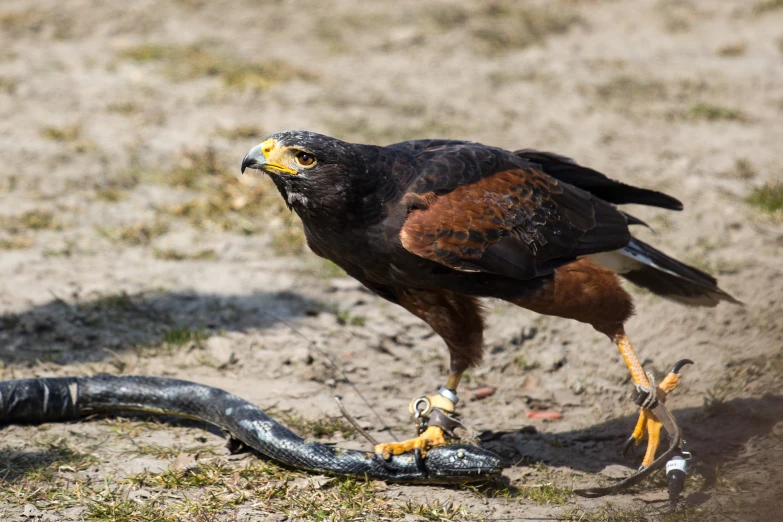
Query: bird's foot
[[651, 419], [648, 424], [432, 437], [435, 421]]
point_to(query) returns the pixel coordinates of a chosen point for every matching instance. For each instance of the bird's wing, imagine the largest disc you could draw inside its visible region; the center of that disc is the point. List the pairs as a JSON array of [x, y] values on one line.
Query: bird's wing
[[479, 209], [567, 170]]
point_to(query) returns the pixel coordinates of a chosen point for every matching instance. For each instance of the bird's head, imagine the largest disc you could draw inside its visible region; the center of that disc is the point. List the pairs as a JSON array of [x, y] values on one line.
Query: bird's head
[[310, 170]]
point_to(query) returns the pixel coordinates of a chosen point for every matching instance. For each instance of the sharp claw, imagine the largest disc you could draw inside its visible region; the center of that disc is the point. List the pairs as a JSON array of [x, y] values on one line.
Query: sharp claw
[[383, 462], [631, 442], [419, 460], [679, 365]]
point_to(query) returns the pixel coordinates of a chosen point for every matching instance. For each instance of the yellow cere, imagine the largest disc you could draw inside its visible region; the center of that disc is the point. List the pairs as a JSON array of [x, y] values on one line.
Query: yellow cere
[[275, 156], [267, 147]]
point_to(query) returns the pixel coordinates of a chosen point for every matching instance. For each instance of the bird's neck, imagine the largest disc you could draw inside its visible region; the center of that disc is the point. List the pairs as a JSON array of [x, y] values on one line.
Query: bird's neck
[[337, 207], [360, 202]]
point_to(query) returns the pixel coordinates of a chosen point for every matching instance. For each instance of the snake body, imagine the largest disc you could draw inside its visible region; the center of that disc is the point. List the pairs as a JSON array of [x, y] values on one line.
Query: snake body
[[32, 401]]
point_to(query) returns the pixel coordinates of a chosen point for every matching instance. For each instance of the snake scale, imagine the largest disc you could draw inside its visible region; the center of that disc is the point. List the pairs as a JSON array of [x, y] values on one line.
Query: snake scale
[[53, 399]]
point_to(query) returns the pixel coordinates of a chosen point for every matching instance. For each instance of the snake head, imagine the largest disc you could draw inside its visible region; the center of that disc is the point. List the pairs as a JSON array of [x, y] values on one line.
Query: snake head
[[451, 464], [464, 460]]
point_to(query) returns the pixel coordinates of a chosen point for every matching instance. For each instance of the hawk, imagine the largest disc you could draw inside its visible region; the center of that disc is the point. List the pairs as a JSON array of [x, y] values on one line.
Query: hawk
[[434, 225]]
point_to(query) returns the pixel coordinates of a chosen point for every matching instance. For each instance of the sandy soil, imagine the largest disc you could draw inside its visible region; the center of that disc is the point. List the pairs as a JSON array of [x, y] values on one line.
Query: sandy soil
[[129, 247]]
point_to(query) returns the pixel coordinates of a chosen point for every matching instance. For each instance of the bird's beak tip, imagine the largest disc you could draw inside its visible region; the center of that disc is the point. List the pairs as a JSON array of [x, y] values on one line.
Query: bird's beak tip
[[244, 163], [251, 161]]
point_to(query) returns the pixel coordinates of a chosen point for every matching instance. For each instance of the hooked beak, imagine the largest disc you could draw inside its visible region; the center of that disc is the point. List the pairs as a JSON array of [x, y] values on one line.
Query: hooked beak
[[255, 159], [267, 157]]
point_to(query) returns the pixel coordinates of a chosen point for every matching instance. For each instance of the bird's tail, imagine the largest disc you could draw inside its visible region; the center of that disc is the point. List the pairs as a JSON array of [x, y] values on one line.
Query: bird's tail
[[650, 268]]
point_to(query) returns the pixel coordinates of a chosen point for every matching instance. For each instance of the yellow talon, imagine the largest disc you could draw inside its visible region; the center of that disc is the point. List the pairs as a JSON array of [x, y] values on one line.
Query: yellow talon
[[648, 424], [641, 427], [653, 438], [431, 438]]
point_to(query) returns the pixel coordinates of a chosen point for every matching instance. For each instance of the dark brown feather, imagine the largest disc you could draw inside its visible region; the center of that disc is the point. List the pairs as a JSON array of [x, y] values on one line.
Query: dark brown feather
[[457, 318], [567, 170], [583, 291]]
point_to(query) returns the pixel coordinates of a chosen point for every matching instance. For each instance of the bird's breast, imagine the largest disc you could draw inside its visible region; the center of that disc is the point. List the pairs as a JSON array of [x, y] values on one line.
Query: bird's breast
[[351, 247]]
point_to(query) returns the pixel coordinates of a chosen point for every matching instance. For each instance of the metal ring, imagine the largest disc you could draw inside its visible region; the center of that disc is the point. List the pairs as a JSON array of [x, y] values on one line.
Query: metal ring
[[417, 412], [450, 395]]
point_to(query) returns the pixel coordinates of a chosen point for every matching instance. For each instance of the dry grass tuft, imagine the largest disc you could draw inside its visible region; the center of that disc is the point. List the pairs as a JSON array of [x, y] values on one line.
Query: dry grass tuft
[[610, 513], [328, 270], [498, 27], [37, 22], [16, 242], [138, 234], [190, 62], [542, 494], [37, 220], [116, 187], [733, 50], [511, 28], [182, 336], [745, 376], [38, 477], [764, 6], [768, 198], [241, 132], [437, 511], [31, 220], [109, 194], [289, 238], [229, 202], [637, 94], [217, 489], [126, 107], [69, 134], [710, 112], [743, 169], [171, 254], [320, 428], [64, 133], [626, 89], [546, 494], [109, 303], [605, 514]]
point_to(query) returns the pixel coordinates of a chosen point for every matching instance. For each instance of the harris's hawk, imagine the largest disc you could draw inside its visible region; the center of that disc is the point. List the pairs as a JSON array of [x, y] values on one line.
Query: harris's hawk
[[433, 225]]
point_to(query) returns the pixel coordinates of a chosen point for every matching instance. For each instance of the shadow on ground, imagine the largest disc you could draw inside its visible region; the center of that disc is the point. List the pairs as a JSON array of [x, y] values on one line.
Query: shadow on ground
[[717, 436], [90, 330], [16, 466]]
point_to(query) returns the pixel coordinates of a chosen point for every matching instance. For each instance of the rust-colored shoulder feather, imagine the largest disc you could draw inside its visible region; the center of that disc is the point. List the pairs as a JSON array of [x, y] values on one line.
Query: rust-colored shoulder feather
[[518, 223]]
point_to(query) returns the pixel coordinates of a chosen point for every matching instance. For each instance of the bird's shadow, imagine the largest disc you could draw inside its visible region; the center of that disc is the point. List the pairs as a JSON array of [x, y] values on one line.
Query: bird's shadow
[[715, 435], [65, 332]]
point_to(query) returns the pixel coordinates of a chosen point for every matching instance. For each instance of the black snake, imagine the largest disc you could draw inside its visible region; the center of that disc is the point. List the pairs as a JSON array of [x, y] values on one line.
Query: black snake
[[30, 401]]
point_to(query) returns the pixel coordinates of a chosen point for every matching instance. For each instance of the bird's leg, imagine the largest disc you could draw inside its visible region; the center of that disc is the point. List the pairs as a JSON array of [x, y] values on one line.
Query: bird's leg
[[453, 381], [457, 319], [433, 420], [646, 396]]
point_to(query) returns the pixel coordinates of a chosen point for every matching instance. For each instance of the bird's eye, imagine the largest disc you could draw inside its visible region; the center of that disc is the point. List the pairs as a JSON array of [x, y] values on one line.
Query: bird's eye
[[305, 159]]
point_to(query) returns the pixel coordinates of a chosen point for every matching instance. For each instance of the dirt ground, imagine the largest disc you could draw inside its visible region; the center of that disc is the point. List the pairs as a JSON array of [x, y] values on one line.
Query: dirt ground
[[128, 245]]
